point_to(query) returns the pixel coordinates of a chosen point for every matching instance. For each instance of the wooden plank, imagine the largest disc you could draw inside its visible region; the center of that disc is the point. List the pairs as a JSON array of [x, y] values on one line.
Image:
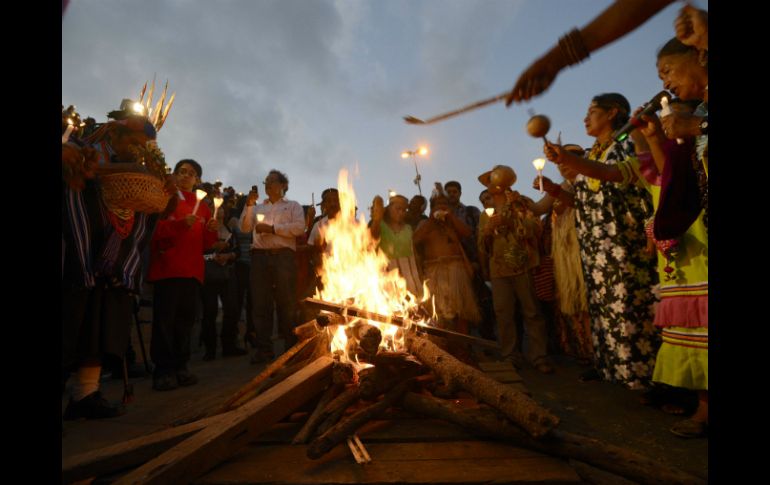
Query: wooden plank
[[421, 463], [209, 447], [128, 453]]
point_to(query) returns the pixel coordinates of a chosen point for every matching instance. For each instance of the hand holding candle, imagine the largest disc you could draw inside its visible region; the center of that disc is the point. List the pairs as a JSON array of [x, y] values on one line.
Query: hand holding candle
[[66, 136], [539, 163], [665, 110], [217, 202], [199, 195]]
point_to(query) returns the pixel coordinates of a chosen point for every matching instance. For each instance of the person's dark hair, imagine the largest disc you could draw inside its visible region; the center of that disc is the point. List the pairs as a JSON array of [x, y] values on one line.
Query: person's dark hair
[[481, 194], [421, 198], [192, 163], [608, 101], [453, 183], [675, 47], [281, 177]]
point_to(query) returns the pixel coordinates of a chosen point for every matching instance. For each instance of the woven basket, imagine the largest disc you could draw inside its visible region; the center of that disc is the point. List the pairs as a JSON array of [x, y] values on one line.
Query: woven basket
[[136, 191]]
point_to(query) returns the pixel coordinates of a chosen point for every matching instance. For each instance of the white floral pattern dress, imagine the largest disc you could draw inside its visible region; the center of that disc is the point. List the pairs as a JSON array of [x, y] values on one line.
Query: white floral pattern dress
[[619, 275]]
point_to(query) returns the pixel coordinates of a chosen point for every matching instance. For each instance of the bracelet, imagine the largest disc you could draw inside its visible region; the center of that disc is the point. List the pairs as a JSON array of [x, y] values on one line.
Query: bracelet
[[573, 48]]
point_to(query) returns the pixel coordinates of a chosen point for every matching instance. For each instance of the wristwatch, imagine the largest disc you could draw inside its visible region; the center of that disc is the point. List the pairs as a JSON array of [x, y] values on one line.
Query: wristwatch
[[704, 126]]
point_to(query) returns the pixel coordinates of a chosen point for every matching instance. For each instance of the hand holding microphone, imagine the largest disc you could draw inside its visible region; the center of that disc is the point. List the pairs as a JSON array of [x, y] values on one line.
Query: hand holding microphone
[[636, 121]]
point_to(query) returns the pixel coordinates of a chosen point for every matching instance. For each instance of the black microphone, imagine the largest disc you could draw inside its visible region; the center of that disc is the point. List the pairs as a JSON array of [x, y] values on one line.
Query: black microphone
[[636, 121]]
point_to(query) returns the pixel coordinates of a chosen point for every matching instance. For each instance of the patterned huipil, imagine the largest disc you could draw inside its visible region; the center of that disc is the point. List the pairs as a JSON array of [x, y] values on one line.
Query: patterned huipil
[[619, 275]]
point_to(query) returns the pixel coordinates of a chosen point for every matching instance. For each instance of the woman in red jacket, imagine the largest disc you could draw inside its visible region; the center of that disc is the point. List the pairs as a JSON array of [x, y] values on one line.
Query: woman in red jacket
[[176, 271]]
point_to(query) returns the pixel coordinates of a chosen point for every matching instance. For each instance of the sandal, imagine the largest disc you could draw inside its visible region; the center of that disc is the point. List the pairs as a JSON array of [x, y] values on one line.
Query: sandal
[[689, 428]]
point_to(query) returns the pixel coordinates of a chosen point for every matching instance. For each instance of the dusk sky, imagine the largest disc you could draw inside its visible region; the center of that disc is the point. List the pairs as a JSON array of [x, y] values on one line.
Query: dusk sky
[[312, 86]]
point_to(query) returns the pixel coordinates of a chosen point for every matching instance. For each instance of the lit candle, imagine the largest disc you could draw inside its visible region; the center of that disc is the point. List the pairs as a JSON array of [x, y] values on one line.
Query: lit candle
[[392, 193], [217, 202], [66, 136], [665, 110], [199, 195], [490, 211], [260, 217], [539, 163]]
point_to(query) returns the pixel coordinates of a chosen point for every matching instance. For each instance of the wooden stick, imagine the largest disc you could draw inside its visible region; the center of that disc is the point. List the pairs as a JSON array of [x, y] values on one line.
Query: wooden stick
[[206, 449], [340, 431], [332, 413], [494, 99], [517, 406], [315, 419], [229, 404], [126, 454], [352, 311], [361, 447], [487, 423]]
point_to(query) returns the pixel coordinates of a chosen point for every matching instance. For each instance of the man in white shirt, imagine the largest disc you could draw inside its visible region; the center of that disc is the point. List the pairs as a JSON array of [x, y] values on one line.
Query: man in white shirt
[[276, 222]]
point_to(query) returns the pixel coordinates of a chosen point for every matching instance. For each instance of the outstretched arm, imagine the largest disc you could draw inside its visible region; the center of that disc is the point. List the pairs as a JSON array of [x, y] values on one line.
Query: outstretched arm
[[589, 168], [620, 18]]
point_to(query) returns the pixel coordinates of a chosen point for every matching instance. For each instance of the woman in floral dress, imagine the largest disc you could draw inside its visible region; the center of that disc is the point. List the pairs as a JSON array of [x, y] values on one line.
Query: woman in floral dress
[[618, 272]]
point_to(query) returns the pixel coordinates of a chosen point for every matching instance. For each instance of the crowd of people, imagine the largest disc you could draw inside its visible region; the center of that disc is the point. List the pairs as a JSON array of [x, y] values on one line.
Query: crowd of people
[[609, 267]]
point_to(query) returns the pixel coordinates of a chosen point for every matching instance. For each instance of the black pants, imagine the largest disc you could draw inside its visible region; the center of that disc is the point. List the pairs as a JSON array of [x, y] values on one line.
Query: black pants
[[173, 315], [211, 292], [274, 279]]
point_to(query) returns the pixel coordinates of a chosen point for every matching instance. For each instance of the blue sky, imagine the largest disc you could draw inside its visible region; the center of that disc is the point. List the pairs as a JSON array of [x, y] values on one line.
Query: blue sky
[[313, 86]]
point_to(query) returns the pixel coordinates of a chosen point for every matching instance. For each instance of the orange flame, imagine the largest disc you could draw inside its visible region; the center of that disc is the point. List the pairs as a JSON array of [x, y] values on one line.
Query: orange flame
[[354, 273]]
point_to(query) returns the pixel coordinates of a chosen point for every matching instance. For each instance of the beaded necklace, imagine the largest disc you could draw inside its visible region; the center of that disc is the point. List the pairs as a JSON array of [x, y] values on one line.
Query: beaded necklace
[[597, 153]]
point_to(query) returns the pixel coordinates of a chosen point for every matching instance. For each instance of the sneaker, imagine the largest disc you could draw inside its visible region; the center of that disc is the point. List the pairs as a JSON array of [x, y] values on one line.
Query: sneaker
[[234, 352], [185, 378], [164, 382], [93, 406]]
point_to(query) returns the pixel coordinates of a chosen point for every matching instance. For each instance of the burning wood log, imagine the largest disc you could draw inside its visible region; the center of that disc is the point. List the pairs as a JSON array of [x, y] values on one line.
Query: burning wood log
[[486, 422], [370, 340], [332, 413], [314, 327], [518, 407], [352, 311], [340, 432]]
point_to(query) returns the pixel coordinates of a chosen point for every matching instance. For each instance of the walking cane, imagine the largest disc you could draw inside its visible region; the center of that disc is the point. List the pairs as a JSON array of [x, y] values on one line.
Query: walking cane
[[128, 389], [141, 338]]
